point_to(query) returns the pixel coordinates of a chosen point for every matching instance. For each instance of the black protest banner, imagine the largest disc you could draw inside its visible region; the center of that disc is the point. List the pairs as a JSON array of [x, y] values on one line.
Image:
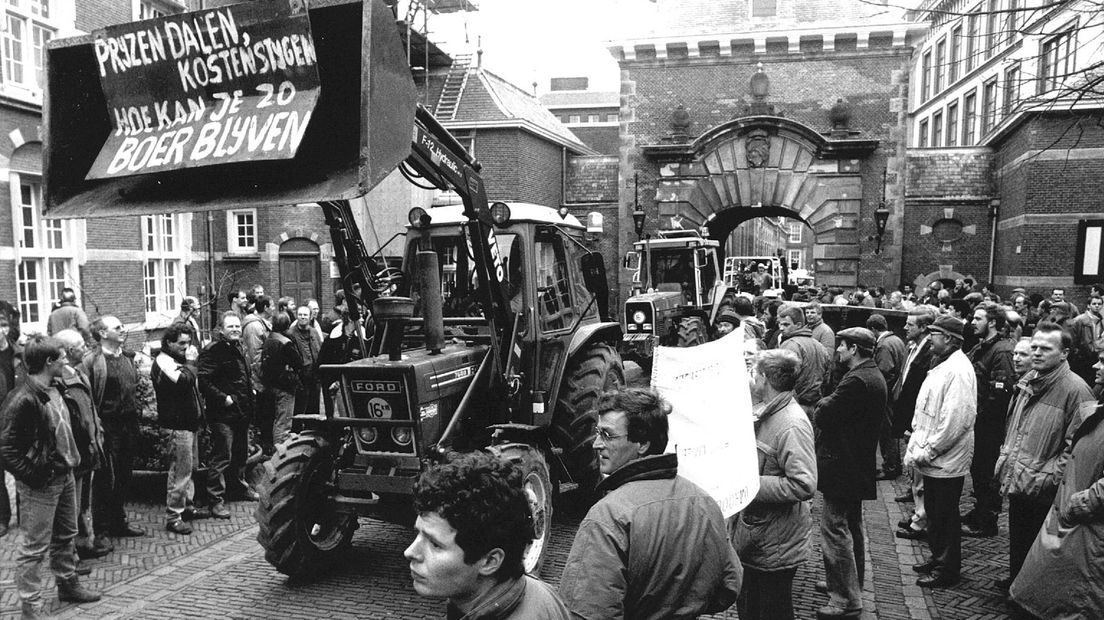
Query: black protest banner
[[237, 83]]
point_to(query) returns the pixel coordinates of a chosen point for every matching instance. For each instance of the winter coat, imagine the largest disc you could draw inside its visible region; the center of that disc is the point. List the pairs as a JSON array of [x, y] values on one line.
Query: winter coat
[[1063, 575], [1083, 354], [1040, 426], [654, 547], [254, 331], [824, 335], [68, 316], [772, 533], [992, 360], [223, 371], [27, 440], [848, 423], [95, 368], [942, 442], [308, 342], [17, 365], [179, 403], [76, 392], [280, 363], [814, 360], [525, 598], [915, 369], [889, 355]]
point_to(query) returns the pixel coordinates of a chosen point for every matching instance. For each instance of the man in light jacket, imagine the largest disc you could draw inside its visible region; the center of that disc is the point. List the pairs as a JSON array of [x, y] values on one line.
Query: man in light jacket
[[941, 448], [1042, 419], [772, 534]]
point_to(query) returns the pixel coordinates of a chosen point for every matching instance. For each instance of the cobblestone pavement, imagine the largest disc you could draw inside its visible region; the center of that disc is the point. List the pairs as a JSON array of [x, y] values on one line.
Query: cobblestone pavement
[[220, 572]]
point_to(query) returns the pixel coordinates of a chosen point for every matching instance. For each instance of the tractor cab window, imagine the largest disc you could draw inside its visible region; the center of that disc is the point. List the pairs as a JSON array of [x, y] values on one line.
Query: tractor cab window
[[560, 290], [459, 287], [707, 273], [673, 271]]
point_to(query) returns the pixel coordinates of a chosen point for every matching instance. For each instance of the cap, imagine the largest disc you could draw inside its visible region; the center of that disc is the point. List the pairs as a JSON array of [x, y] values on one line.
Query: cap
[[948, 325], [859, 336], [728, 315]]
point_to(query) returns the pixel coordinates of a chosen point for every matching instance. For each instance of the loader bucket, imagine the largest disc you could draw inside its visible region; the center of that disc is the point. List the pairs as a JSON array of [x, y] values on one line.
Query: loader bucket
[[360, 129]]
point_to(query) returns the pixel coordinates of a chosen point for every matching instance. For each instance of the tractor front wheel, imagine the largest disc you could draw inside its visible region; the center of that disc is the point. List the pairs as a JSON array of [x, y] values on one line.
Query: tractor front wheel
[[537, 484]]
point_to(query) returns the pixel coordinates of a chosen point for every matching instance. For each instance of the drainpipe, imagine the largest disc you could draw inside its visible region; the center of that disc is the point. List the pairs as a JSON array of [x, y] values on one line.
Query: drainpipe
[[563, 175], [213, 298], [994, 212]]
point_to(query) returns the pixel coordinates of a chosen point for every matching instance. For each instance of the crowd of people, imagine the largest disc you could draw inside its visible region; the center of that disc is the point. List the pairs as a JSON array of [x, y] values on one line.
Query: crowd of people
[[69, 423], [997, 391]]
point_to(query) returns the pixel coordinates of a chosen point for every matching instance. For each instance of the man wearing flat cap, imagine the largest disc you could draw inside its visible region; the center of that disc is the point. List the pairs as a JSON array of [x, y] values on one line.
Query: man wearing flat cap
[[848, 422], [941, 448]]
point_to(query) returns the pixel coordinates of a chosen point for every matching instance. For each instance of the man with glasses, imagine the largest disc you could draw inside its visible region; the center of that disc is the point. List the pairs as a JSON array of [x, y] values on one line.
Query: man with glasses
[[37, 445], [655, 546], [114, 377], [941, 448]]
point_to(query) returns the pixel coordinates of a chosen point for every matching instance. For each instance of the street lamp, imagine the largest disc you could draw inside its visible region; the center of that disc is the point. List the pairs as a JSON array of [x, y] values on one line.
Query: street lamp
[[881, 216], [638, 214]]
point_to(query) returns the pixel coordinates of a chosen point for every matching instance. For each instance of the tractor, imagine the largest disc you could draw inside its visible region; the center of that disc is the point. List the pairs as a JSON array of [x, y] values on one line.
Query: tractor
[[494, 334]]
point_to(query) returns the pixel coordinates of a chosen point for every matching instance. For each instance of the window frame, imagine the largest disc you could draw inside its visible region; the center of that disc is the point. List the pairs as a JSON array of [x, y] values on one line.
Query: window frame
[[42, 254], [922, 134], [233, 235], [992, 25], [937, 129], [989, 109], [969, 118], [955, 49], [973, 33], [36, 28], [925, 76], [1060, 46], [162, 255], [793, 231], [1011, 89], [940, 65], [799, 253], [952, 124]]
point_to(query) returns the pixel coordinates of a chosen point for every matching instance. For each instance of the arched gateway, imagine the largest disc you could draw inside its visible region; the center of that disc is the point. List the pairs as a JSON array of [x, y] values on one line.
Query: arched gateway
[[769, 166]]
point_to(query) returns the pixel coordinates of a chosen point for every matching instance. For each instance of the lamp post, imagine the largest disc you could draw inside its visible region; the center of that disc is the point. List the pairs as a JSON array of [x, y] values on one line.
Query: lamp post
[[638, 214], [881, 216]]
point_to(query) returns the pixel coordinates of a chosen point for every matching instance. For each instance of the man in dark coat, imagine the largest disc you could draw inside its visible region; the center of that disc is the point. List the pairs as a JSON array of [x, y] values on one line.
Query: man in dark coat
[[992, 360], [11, 359], [308, 341], [814, 357], [225, 378], [889, 356], [903, 400], [848, 422]]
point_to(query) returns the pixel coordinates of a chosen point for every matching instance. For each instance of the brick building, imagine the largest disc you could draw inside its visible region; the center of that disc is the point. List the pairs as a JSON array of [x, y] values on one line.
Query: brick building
[[1005, 145], [740, 108], [589, 114]]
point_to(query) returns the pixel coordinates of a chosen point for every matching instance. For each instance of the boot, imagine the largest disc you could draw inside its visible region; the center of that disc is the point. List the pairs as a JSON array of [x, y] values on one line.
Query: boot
[[71, 591], [103, 543], [33, 611]]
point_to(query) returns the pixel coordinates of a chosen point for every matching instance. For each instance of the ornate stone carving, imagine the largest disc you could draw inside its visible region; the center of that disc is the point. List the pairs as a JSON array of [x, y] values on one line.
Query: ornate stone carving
[[757, 145]]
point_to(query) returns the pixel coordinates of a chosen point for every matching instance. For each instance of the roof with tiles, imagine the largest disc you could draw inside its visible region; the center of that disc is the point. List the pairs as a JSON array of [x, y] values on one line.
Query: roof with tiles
[[489, 100], [672, 18]]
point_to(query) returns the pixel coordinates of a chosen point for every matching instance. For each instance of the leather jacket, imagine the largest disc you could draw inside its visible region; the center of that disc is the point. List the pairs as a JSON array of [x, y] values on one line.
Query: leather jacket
[[27, 443]]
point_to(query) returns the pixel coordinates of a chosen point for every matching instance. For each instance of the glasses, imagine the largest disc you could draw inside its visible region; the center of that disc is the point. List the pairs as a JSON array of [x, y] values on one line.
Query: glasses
[[604, 435]]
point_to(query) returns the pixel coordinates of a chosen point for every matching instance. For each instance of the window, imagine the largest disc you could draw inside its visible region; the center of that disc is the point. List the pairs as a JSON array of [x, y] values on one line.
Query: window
[[973, 31], [969, 116], [47, 261], [611, 118], [1089, 252], [1011, 89], [27, 29], [796, 258], [574, 118], [952, 124], [937, 129], [1011, 24], [988, 105], [150, 9], [764, 8], [992, 27], [594, 118], [956, 51], [794, 230], [940, 64], [923, 131], [163, 276], [241, 231], [1056, 61], [925, 77]]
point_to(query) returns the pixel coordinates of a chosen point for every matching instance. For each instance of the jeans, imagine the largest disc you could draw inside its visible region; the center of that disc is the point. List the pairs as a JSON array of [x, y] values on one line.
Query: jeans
[[1025, 518], [112, 480], [766, 595], [183, 459], [919, 513], [5, 500], [48, 520], [285, 409], [264, 419], [307, 397], [844, 550], [229, 450], [944, 524], [83, 489]]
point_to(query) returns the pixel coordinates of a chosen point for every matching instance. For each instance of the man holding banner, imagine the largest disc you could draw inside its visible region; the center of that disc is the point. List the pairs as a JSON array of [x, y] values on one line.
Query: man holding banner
[[655, 546], [848, 423]]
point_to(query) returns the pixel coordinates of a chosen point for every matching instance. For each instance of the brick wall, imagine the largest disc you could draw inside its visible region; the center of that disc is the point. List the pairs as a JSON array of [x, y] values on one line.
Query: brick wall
[[540, 170], [605, 140]]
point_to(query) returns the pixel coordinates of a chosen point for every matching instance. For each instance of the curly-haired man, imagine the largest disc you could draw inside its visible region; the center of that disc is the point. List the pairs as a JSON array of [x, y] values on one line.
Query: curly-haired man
[[473, 526]]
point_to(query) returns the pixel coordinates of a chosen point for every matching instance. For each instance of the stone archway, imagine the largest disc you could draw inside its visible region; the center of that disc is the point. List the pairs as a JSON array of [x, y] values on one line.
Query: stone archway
[[767, 166]]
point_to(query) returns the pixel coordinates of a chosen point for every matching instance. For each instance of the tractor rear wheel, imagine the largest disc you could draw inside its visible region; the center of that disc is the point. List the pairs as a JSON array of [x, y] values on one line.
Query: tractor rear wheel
[[299, 523], [691, 332], [537, 484], [588, 374]]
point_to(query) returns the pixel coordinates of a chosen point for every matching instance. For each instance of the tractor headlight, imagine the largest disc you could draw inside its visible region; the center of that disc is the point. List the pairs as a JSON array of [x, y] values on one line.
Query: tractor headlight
[[639, 316], [402, 435], [368, 434]]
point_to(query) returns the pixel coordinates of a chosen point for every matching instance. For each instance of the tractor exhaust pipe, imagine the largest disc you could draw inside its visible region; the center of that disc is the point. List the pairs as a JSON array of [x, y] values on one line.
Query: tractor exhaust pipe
[[429, 288]]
